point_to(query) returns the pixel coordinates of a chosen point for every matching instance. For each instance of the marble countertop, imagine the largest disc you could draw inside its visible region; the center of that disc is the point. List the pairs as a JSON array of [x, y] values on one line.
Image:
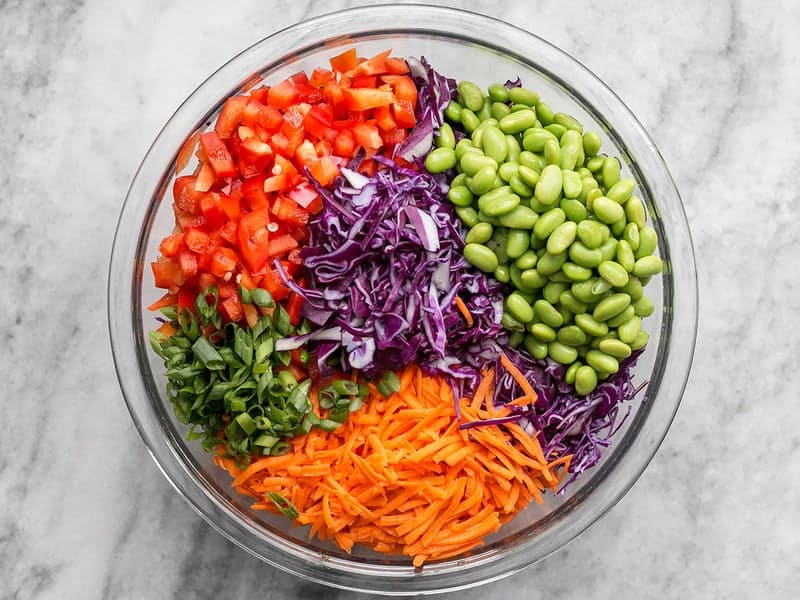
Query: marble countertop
[[84, 511]]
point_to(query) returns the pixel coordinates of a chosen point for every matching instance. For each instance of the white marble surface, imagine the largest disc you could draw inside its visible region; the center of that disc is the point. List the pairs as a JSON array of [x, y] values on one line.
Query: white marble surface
[[85, 513]]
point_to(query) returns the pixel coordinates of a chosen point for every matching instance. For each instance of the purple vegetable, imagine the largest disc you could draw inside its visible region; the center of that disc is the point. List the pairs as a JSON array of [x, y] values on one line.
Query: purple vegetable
[[434, 92], [567, 423], [385, 263]]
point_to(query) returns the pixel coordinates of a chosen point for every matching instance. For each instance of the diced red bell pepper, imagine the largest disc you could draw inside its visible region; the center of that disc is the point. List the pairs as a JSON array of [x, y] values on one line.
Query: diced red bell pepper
[[185, 196], [223, 260], [167, 274], [187, 261], [211, 207], [197, 240], [230, 115], [359, 99], [273, 283], [281, 245], [218, 156], [258, 115], [205, 178], [283, 95], [368, 136], [289, 212], [171, 244], [345, 61], [325, 170], [294, 307]]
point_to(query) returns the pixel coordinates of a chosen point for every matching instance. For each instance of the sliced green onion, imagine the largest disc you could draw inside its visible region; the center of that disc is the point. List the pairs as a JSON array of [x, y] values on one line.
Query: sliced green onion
[[243, 345], [280, 318], [328, 425], [262, 297], [208, 355], [245, 295], [246, 422], [345, 387], [389, 384], [288, 509]]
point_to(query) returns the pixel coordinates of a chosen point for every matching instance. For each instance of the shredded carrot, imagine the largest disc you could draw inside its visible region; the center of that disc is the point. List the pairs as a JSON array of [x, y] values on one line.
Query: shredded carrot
[[401, 477], [462, 308]]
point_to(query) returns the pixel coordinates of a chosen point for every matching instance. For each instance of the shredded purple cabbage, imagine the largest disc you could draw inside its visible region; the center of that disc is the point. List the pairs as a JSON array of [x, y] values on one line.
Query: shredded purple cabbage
[[385, 263], [434, 92], [567, 423]]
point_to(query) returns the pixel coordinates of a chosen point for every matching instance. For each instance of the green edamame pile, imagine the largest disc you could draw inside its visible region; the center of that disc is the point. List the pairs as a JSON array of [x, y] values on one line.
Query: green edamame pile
[[553, 218]]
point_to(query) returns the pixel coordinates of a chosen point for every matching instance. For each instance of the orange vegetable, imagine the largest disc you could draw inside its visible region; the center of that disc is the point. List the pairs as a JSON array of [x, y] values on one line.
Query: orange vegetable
[[401, 477]]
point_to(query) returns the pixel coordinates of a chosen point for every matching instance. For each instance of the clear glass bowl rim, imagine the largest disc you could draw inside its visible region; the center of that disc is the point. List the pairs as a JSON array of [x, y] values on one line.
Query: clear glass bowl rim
[[125, 273]]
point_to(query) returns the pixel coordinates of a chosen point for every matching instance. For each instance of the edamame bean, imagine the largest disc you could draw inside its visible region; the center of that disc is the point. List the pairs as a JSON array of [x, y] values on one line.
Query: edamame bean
[[631, 235], [507, 170], [622, 318], [648, 241], [583, 256], [606, 209], [440, 160], [609, 248], [499, 110], [517, 242], [520, 187], [621, 191], [544, 113], [628, 331], [570, 302], [536, 347], [643, 307], [513, 148], [479, 234], [501, 273], [616, 348], [520, 217], [569, 374], [625, 255], [640, 341], [585, 380], [510, 323], [634, 288], [468, 215], [518, 121], [482, 181], [590, 325], [601, 361], [542, 332], [534, 139], [472, 162], [575, 211], [469, 120], [528, 176], [591, 143], [549, 264], [527, 260], [460, 195], [480, 257], [575, 272], [571, 183], [556, 129], [552, 291], [560, 353], [519, 307], [445, 137], [635, 212], [494, 144], [547, 313], [647, 266], [552, 153], [531, 160], [496, 206], [611, 306], [531, 278], [548, 188], [595, 164], [463, 146], [610, 171], [548, 222], [520, 95], [590, 233], [572, 335], [568, 121], [498, 92], [453, 112], [613, 273], [562, 237], [470, 95]]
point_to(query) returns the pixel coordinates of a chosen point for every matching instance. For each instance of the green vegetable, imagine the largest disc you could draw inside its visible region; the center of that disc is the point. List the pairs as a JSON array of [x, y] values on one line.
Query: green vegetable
[[228, 383], [557, 221]]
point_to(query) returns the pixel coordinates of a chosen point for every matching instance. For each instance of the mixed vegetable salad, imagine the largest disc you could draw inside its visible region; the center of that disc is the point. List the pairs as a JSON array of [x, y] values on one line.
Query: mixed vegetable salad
[[398, 307]]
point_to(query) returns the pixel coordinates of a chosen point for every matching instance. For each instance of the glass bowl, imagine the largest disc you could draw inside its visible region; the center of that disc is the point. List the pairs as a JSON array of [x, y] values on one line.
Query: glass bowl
[[461, 45]]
